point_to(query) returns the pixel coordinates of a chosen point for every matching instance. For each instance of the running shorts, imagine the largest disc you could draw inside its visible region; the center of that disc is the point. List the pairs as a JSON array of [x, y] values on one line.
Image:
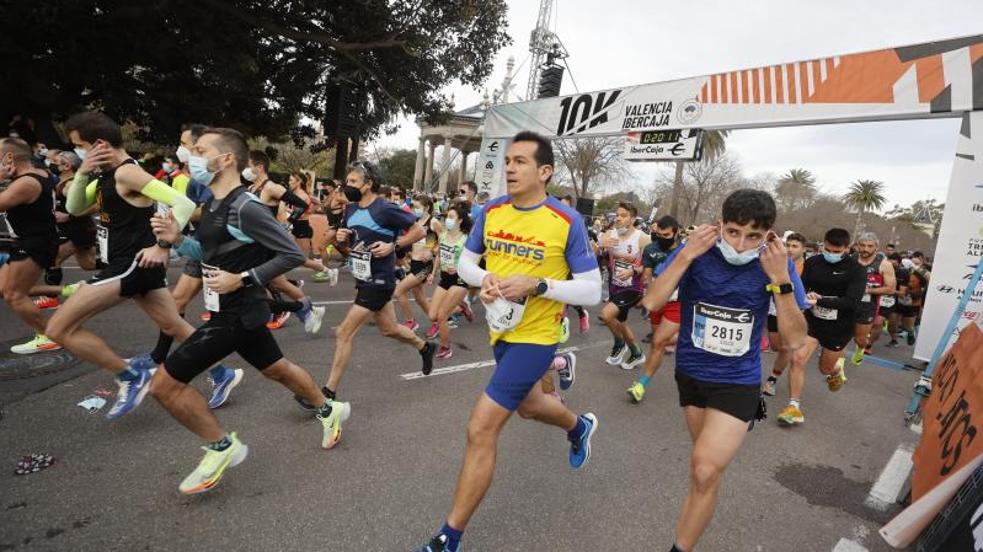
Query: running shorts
[[421, 269], [42, 252], [866, 313], [625, 300], [302, 230], [832, 335], [133, 279], [740, 401], [670, 312], [373, 298], [518, 367], [447, 281], [218, 338]]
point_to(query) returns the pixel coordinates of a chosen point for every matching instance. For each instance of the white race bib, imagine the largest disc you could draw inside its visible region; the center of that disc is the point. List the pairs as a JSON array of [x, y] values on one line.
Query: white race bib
[[904, 300], [620, 266], [447, 256], [721, 330], [210, 295], [360, 264], [102, 239], [865, 298], [503, 315], [825, 313], [888, 301]]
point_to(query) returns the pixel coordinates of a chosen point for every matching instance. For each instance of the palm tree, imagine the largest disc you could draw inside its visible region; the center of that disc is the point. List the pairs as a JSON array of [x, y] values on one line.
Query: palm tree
[[796, 190], [714, 145], [864, 195]]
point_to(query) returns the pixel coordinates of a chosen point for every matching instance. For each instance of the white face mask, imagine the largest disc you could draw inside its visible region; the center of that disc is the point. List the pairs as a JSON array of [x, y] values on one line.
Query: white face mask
[[183, 154], [451, 224], [249, 174]]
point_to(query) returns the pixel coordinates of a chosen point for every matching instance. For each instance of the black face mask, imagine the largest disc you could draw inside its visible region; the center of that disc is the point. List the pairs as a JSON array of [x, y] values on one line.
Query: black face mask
[[665, 244], [353, 194]]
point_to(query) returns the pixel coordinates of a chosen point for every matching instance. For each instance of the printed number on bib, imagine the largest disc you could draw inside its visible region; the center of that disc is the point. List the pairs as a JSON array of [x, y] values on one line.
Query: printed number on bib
[[721, 330], [361, 265], [888, 301], [825, 313], [211, 296], [102, 240], [620, 266], [503, 315], [446, 256]]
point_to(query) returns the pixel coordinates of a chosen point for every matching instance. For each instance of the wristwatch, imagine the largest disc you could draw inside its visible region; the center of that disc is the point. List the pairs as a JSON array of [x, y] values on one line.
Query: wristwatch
[[780, 289], [247, 280], [164, 244], [542, 287]]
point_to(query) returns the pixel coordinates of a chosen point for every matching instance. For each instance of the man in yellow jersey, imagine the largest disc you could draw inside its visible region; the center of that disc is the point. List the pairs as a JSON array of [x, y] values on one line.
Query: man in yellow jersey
[[531, 243]]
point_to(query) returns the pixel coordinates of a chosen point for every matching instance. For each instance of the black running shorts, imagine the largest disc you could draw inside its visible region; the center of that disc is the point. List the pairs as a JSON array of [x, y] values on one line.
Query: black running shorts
[[421, 269], [447, 281], [625, 300], [740, 401], [833, 335], [133, 279], [301, 230], [42, 252], [372, 298], [218, 338], [866, 313]]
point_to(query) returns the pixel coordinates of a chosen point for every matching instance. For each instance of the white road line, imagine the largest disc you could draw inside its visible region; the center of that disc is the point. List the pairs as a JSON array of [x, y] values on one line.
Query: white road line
[[888, 485], [847, 545], [483, 363], [345, 302]]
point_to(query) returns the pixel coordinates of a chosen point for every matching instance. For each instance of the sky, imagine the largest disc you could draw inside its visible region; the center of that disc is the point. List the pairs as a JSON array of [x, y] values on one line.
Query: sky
[[622, 42]]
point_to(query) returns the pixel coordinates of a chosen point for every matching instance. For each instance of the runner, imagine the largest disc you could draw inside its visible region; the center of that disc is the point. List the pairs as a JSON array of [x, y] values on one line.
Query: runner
[[880, 281], [665, 322], [299, 184], [726, 274], [532, 242], [136, 262], [624, 245], [890, 304], [795, 244], [451, 289], [237, 237], [29, 205], [368, 237], [421, 265], [834, 283], [911, 305]]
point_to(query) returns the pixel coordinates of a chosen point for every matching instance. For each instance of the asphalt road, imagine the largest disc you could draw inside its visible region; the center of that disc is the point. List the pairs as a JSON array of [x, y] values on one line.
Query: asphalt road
[[388, 485]]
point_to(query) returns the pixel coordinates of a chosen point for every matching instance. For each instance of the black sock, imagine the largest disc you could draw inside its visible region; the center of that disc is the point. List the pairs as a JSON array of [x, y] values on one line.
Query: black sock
[[772, 378], [328, 393], [163, 346], [580, 311], [53, 276], [675, 549]]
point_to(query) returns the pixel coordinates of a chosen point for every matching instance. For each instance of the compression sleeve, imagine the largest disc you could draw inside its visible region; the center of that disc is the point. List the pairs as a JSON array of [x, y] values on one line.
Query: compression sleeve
[[291, 198], [180, 205], [80, 194], [583, 290], [468, 269]]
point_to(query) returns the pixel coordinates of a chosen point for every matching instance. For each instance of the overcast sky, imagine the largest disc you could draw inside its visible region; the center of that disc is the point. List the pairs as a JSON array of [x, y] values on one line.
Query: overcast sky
[[622, 42]]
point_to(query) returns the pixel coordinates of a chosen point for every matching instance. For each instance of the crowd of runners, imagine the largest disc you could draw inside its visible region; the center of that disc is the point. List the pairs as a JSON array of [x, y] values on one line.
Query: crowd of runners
[[716, 295]]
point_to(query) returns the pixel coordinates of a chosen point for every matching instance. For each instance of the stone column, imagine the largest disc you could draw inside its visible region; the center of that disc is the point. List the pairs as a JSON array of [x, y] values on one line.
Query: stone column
[[445, 165], [428, 172], [420, 158], [464, 167]]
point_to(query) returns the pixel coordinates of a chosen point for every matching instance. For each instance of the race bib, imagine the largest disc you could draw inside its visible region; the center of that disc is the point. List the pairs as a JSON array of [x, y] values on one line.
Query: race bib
[[904, 300], [721, 330], [360, 264], [888, 301], [102, 240], [825, 313], [620, 266], [210, 295], [865, 298], [447, 256], [503, 315]]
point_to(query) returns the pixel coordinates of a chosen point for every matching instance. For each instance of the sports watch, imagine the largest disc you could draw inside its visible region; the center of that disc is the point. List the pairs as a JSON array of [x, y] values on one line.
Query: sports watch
[[542, 287], [780, 289]]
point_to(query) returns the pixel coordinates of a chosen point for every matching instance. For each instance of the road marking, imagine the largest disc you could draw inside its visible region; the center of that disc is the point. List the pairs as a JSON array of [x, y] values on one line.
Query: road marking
[[888, 486], [483, 363], [847, 545], [345, 302], [917, 428]]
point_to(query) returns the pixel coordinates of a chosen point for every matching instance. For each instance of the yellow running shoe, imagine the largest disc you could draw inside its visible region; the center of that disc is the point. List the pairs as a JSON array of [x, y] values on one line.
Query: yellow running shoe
[[836, 381], [70, 289], [790, 416], [636, 392], [212, 467], [39, 344], [858, 356], [340, 411]]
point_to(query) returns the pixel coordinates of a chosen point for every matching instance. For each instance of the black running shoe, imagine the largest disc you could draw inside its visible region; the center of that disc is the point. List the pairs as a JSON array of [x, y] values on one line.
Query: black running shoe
[[427, 353]]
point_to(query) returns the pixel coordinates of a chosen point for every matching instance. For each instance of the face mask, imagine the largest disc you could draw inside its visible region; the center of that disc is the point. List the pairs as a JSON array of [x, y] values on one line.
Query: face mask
[[832, 257], [167, 167], [418, 212], [47, 163], [353, 194], [665, 244], [249, 174], [733, 257], [198, 166], [622, 231], [42, 153], [81, 153], [451, 225], [183, 154]]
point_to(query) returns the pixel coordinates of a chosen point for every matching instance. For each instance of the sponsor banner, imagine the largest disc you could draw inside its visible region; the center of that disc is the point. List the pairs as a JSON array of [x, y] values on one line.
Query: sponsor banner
[[664, 145], [895, 83], [489, 174], [960, 244]]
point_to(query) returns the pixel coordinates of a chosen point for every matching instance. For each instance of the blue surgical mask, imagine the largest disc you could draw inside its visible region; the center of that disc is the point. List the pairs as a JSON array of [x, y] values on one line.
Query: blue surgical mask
[[451, 225], [81, 153], [733, 257], [418, 212], [198, 166], [832, 257]]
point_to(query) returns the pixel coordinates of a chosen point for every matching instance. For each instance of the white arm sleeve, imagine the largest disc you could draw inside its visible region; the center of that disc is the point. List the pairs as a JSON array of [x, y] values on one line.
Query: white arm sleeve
[[470, 272], [583, 290]]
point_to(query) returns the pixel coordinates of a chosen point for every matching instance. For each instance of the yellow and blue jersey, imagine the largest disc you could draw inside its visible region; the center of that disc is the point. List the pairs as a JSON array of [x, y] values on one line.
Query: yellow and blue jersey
[[548, 240]]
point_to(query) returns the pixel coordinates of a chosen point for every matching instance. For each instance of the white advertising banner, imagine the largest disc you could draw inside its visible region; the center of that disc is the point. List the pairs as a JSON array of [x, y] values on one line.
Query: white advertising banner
[[489, 174], [960, 244]]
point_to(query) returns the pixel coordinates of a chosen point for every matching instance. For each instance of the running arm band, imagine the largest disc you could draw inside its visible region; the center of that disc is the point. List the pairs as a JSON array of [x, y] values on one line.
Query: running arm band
[[583, 290], [468, 269], [81, 194], [180, 205], [291, 198]]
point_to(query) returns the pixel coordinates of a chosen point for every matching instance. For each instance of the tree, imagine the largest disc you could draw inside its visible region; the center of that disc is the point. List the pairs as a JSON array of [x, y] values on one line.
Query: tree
[[864, 195], [255, 66], [795, 190], [714, 144], [592, 161], [398, 165]]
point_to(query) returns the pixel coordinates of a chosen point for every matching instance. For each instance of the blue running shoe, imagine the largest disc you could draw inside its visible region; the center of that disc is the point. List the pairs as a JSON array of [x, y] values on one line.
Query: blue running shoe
[[222, 385], [580, 448], [439, 544], [569, 373], [130, 393], [142, 362]]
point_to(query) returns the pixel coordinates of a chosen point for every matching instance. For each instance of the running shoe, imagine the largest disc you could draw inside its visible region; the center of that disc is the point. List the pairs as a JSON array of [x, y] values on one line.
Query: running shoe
[[427, 354], [647, 338], [44, 302], [306, 406], [142, 362], [223, 385], [565, 330], [633, 361], [68, 290], [466, 311], [206, 316], [858, 356], [340, 412], [580, 448], [412, 325], [769, 387], [39, 344], [617, 355], [432, 332], [584, 323], [790, 416], [910, 336], [893, 344], [312, 322], [568, 373], [130, 393], [636, 392], [444, 353], [211, 468], [438, 544], [836, 381], [321, 277], [278, 320]]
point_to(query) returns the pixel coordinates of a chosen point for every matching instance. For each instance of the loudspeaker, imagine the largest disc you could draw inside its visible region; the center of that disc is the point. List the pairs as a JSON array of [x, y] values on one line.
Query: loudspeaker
[[340, 110], [585, 206], [549, 81]]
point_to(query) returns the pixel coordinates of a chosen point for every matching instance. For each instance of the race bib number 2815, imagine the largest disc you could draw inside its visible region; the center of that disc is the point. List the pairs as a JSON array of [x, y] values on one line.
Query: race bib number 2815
[[722, 330]]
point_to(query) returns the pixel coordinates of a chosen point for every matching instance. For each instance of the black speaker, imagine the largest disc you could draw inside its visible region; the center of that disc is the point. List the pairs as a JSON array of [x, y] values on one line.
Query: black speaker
[[550, 79], [340, 110], [585, 206]]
